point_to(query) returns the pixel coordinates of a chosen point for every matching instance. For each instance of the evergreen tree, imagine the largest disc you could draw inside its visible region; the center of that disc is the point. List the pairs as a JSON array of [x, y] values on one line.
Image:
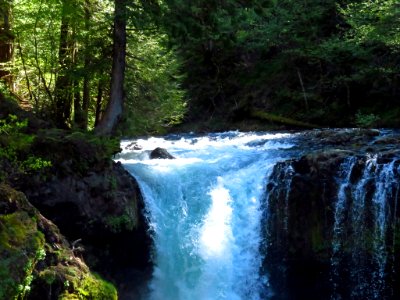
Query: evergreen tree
[[6, 40], [114, 108]]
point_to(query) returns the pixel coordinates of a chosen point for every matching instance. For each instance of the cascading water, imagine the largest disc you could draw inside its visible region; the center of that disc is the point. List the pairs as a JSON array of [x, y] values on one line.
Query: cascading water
[[204, 212], [246, 216], [339, 219], [371, 203]]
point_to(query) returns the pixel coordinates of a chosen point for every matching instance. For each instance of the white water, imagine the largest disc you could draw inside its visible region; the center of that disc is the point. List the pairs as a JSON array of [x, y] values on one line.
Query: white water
[[204, 212], [370, 213], [339, 220]]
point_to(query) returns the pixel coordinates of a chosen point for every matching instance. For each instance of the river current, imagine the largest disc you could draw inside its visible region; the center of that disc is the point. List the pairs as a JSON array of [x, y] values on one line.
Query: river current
[[204, 211], [222, 215]]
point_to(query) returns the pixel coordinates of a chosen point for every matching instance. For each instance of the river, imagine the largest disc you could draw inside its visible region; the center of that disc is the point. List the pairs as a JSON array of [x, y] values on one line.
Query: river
[[207, 209]]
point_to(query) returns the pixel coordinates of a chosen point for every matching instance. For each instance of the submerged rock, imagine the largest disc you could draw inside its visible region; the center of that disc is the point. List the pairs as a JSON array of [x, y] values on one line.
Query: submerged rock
[[134, 146], [160, 153]]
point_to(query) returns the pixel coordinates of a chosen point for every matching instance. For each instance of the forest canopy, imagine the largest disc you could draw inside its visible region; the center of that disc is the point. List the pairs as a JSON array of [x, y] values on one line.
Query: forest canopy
[[160, 63]]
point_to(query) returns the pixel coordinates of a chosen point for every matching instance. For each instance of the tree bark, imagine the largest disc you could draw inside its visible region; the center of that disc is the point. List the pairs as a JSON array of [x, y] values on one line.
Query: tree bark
[[63, 85], [98, 103], [86, 78], [6, 40], [78, 114], [114, 107]]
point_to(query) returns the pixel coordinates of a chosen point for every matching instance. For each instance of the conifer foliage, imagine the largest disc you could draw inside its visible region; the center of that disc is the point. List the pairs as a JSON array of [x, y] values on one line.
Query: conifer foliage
[[135, 67]]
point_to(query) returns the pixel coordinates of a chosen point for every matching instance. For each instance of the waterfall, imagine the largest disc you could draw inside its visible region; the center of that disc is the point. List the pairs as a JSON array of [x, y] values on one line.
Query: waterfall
[[204, 210], [361, 193], [339, 219], [249, 216], [364, 214]]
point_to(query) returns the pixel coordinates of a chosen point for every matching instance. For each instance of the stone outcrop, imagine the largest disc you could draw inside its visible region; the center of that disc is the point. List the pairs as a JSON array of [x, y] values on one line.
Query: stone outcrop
[[37, 262], [305, 253], [69, 176], [93, 200]]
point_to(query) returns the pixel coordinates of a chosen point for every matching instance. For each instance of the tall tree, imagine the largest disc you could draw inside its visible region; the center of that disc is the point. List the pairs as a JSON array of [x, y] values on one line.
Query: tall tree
[[114, 108], [6, 38], [63, 86], [86, 77]]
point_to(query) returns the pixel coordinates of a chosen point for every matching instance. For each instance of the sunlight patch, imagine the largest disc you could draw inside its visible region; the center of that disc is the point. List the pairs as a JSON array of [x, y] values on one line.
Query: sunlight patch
[[216, 232]]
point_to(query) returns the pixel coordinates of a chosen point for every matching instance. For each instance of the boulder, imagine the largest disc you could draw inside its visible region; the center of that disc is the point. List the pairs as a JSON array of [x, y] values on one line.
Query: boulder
[[134, 146], [160, 153]]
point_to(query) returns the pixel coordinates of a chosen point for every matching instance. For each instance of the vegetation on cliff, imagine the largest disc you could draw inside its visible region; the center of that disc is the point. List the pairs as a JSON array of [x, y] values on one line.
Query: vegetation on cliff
[[70, 177]]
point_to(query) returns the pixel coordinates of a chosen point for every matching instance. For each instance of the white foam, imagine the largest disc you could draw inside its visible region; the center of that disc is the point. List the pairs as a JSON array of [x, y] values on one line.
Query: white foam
[[204, 210]]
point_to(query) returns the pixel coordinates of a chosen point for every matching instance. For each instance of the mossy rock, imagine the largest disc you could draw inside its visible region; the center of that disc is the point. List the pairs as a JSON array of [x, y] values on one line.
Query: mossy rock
[[90, 287], [74, 282], [21, 247], [76, 152], [36, 260], [12, 201]]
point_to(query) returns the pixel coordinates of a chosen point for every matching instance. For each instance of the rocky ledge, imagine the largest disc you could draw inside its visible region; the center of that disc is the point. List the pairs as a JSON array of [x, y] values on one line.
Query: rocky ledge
[[331, 218], [70, 180], [94, 202]]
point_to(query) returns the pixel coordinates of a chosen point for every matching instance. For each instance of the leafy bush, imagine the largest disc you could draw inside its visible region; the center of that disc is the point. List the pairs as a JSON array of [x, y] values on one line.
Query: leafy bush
[[15, 148], [366, 120]]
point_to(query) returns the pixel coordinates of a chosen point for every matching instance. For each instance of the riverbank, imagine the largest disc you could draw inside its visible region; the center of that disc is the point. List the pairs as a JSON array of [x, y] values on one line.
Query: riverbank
[[93, 205]]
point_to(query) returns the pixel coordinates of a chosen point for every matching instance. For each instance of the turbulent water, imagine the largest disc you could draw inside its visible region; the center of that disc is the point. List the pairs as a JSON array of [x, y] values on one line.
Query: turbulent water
[[204, 212], [212, 224]]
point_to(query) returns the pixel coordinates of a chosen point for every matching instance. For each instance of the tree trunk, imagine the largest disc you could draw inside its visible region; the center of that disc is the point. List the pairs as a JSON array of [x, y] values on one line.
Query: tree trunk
[[86, 78], [6, 40], [114, 108], [78, 113], [98, 103], [63, 85]]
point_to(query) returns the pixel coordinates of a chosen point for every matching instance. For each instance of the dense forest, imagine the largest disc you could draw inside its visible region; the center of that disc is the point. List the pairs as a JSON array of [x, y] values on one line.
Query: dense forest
[[148, 65]]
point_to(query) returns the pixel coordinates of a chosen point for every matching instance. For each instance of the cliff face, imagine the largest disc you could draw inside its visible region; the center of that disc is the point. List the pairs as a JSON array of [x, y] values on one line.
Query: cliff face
[[93, 201], [331, 221], [70, 178], [37, 262]]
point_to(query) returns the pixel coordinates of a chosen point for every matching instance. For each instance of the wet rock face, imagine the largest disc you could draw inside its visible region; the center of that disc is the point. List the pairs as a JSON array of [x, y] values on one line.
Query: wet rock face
[[317, 247], [103, 210], [90, 203], [93, 199], [299, 226]]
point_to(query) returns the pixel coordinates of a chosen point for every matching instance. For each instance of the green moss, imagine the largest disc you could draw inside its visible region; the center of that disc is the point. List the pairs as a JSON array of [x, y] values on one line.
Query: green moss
[[118, 223], [48, 275], [80, 153], [21, 247], [90, 287]]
